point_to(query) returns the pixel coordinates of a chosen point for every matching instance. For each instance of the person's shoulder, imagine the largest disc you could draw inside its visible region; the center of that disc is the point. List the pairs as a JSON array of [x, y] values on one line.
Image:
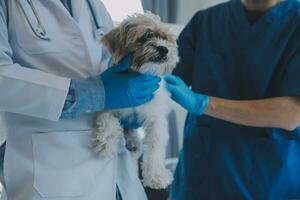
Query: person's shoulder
[[295, 3], [292, 23], [214, 11], [221, 7], [294, 7], [295, 12]]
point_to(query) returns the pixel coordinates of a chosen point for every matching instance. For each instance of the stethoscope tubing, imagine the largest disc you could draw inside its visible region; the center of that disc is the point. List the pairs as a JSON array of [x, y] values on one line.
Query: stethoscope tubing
[[40, 30], [93, 14]]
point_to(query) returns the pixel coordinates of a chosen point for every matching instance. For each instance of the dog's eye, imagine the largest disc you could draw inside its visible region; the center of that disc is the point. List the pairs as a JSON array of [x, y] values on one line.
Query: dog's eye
[[164, 37], [148, 35]]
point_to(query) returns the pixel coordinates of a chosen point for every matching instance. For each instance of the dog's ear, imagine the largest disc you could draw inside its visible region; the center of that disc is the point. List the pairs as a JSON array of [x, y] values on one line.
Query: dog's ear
[[115, 43]]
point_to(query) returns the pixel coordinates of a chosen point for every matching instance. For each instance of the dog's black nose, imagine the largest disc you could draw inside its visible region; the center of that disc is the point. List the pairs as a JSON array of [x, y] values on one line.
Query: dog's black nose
[[163, 51]]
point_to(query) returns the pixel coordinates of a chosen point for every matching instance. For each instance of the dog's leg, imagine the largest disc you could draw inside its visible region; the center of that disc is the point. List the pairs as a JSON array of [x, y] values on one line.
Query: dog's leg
[[133, 143], [107, 134], [155, 175]]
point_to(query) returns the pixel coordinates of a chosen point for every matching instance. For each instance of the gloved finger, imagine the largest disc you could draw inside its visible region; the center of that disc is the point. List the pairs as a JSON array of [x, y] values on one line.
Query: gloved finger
[[149, 90], [173, 89], [172, 79], [124, 64]]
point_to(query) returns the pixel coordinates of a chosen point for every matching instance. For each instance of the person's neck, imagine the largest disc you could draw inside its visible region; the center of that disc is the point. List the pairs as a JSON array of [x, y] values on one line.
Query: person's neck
[[260, 5]]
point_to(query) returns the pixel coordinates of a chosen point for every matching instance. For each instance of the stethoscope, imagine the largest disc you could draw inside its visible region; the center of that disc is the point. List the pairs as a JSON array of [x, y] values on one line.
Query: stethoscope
[[40, 31]]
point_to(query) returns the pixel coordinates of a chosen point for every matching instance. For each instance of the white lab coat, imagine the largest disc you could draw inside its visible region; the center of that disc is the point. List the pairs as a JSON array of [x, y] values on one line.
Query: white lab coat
[[48, 158]]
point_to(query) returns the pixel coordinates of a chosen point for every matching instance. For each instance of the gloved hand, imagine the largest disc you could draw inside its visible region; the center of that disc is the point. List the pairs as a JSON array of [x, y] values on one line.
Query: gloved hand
[[115, 88], [124, 89], [193, 102]]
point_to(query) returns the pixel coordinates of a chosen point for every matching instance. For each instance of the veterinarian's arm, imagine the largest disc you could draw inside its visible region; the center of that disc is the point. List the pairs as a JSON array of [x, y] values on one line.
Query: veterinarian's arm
[[113, 89], [281, 112]]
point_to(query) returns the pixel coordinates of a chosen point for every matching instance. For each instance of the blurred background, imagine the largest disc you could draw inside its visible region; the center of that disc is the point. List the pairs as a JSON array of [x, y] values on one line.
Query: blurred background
[[177, 11], [170, 11]]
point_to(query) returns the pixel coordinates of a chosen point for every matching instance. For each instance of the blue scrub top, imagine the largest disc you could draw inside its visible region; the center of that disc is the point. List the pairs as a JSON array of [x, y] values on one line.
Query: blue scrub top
[[223, 55]]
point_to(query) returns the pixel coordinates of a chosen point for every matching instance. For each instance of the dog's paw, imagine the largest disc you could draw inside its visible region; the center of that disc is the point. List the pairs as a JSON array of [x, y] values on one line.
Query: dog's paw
[[133, 143], [107, 134], [157, 179]]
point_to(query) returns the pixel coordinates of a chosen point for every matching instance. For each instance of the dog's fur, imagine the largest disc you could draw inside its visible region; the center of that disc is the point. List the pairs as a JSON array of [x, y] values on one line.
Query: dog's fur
[[141, 35]]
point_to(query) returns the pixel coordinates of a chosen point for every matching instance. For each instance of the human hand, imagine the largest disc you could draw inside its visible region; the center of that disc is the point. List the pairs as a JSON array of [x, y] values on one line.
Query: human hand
[[124, 89], [193, 102]]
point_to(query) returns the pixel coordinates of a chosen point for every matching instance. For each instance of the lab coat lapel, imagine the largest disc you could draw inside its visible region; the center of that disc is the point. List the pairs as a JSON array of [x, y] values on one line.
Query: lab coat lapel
[[77, 8], [59, 9]]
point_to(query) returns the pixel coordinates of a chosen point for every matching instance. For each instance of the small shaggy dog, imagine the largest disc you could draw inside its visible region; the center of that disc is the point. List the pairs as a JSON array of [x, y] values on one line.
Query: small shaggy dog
[[154, 51]]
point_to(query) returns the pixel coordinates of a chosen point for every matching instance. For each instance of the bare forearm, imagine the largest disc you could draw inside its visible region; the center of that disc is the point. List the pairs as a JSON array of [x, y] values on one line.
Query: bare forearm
[[281, 112]]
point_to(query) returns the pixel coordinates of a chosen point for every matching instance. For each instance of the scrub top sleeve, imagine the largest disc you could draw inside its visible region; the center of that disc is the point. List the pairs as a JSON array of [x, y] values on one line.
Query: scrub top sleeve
[[186, 49], [27, 91], [291, 80]]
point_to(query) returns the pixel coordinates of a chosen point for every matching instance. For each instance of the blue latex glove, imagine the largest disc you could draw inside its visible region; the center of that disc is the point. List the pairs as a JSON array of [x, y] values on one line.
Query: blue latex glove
[[124, 89], [193, 102]]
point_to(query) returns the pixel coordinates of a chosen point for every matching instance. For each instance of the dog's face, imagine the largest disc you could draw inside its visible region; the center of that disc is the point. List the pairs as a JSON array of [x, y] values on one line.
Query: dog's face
[[152, 46]]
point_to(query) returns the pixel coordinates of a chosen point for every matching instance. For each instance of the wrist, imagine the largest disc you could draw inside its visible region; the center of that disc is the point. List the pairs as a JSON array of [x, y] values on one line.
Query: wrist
[[90, 95], [202, 104], [70, 103]]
